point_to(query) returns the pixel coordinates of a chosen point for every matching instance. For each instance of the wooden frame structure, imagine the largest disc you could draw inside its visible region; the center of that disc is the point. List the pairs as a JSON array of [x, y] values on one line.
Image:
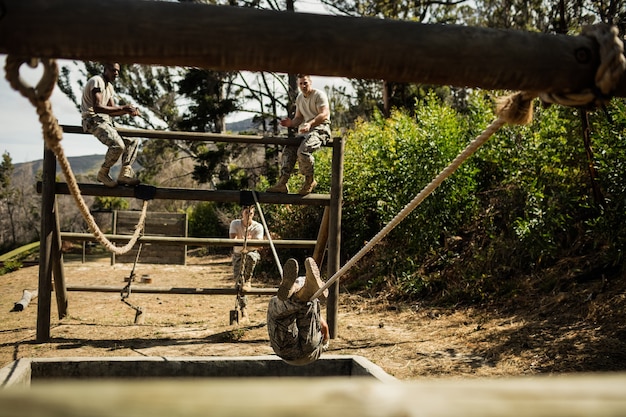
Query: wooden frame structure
[[190, 34], [51, 260]]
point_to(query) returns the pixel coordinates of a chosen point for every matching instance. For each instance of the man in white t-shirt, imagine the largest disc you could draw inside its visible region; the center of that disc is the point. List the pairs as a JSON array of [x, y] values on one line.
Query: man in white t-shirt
[[312, 119], [245, 258], [97, 109]]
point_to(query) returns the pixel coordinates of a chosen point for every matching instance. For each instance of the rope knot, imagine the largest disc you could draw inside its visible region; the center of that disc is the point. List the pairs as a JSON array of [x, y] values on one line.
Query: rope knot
[[516, 108], [608, 75]]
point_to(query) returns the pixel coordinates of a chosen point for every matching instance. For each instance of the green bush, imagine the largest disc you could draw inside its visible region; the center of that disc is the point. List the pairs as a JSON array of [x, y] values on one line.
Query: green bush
[[518, 207]]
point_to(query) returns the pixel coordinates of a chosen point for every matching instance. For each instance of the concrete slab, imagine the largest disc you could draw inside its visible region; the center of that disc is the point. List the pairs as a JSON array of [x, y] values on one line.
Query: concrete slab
[[25, 372]]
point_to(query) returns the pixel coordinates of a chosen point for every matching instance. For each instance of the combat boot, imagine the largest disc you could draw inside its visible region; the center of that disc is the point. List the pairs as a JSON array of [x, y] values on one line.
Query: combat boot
[[312, 283], [308, 186], [127, 176], [290, 274], [105, 178], [281, 185]]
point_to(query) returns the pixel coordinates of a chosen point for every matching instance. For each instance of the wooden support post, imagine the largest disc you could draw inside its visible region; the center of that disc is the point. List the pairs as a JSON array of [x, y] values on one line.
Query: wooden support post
[[334, 234], [365, 48], [57, 265], [322, 238], [45, 248]]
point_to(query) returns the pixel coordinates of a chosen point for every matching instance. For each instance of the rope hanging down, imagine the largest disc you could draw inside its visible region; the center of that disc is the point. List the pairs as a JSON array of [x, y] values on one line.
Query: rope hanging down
[[53, 134], [517, 109], [269, 236]]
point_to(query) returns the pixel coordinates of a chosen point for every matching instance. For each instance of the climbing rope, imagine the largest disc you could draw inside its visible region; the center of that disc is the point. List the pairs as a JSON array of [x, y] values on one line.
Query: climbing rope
[[269, 236], [53, 134], [125, 293], [517, 109]]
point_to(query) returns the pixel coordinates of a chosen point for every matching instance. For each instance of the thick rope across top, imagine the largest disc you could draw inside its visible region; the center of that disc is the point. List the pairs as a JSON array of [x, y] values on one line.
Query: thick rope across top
[[53, 134]]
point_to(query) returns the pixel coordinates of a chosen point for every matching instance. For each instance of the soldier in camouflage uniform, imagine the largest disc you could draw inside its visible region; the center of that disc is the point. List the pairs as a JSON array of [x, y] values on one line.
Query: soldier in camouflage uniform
[[97, 109], [298, 332], [245, 258], [312, 119]]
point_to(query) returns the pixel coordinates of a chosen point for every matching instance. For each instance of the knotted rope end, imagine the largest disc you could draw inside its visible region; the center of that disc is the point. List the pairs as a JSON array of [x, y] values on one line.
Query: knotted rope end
[[516, 108]]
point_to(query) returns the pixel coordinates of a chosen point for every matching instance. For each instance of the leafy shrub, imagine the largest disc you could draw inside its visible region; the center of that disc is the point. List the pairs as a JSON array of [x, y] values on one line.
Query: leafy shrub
[[518, 207]]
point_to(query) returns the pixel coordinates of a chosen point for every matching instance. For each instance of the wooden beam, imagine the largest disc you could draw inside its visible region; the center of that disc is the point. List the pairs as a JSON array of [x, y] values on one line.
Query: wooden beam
[[196, 136], [191, 241], [144, 289], [222, 196], [556, 396], [230, 38]]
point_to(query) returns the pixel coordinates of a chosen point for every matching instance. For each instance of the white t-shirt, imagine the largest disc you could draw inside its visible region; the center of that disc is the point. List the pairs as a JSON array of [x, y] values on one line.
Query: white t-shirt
[[87, 102], [255, 231], [310, 106]]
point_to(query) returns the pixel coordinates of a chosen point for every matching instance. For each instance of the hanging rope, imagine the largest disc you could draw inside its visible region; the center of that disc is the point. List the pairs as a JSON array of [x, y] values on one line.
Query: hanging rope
[[517, 109], [53, 134], [269, 236]]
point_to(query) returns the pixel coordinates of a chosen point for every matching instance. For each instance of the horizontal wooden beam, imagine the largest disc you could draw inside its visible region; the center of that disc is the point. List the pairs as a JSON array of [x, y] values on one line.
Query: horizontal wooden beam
[[192, 241], [573, 395], [197, 136], [232, 38], [221, 196], [144, 289]]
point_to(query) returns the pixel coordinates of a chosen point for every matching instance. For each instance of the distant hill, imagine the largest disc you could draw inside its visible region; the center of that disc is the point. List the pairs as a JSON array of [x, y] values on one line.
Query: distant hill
[[89, 164], [81, 165], [241, 126]]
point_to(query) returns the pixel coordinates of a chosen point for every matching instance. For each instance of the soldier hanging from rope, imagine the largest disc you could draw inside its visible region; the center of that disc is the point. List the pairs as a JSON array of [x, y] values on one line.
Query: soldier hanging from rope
[[298, 333]]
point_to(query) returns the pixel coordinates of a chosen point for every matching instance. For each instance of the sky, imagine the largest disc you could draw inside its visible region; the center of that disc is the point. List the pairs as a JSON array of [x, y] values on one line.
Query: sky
[[20, 130]]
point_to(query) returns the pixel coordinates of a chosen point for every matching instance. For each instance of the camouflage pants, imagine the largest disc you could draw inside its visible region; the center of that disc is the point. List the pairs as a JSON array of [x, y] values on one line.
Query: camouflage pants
[[101, 126], [250, 259], [294, 329], [303, 154]]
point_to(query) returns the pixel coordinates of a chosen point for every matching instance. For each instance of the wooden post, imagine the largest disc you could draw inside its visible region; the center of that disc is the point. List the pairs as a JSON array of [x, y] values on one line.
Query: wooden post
[[114, 228], [322, 238], [334, 234], [57, 265], [45, 247], [365, 48]]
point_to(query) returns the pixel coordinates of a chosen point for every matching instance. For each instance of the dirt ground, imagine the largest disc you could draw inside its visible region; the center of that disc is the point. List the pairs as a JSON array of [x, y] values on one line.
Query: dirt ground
[[577, 331]]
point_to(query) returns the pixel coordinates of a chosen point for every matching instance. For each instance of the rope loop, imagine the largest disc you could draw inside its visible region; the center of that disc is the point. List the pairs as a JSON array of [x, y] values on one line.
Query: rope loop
[[45, 86], [608, 75]]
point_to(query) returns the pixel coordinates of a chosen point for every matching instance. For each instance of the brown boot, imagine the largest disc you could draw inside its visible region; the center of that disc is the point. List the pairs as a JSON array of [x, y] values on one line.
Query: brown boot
[[127, 176], [281, 186], [308, 186], [290, 274], [313, 282], [105, 178]]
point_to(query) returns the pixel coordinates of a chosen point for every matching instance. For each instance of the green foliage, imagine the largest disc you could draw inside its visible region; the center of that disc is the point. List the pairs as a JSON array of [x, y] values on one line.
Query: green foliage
[[388, 162], [518, 207], [110, 204], [10, 266], [204, 221]]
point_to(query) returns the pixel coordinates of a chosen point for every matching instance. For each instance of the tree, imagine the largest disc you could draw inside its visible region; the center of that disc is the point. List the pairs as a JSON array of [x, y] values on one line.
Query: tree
[[7, 194]]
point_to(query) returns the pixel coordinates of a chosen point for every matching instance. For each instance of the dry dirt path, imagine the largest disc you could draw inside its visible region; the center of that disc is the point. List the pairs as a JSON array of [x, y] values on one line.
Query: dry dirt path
[[406, 341]]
